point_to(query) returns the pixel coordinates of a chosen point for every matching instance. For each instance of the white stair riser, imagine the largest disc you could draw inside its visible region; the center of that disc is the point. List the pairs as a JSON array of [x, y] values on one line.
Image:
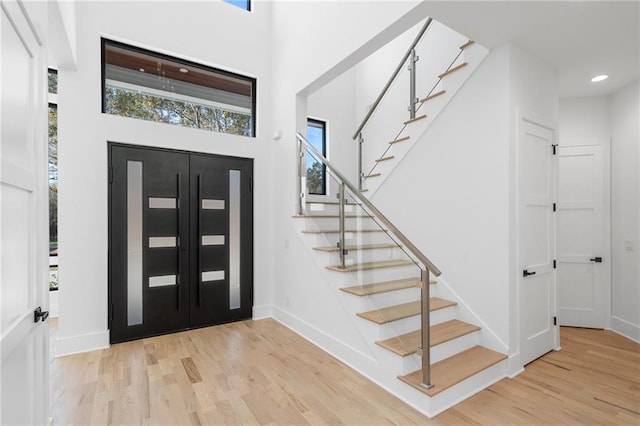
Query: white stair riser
[[351, 238], [407, 325], [352, 223], [332, 209], [361, 256], [452, 347], [383, 300], [386, 274]]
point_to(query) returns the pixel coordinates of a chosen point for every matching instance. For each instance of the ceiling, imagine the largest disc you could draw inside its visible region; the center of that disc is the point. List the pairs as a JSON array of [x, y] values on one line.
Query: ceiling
[[580, 39]]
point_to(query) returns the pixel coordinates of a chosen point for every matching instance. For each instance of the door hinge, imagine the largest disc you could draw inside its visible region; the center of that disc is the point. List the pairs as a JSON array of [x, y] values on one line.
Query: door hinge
[[555, 320], [110, 314], [251, 184], [554, 207], [111, 174], [554, 264], [555, 147]]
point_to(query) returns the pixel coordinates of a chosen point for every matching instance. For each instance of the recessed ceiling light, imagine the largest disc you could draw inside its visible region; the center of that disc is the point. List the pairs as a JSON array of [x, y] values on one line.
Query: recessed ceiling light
[[141, 69], [184, 70], [598, 78]]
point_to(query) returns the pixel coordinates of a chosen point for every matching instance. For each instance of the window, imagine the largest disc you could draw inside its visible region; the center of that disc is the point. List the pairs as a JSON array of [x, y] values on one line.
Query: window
[[242, 4], [141, 84], [53, 179], [316, 171]]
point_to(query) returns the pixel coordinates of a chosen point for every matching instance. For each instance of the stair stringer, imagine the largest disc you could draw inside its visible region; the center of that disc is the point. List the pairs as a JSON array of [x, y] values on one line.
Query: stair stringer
[[473, 55], [378, 364]]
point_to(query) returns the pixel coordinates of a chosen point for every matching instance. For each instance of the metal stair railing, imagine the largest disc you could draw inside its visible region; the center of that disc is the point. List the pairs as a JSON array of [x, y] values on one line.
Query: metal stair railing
[[426, 266]]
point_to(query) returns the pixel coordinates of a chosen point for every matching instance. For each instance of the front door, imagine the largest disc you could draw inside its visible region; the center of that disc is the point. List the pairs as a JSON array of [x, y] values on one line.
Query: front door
[[582, 261], [24, 234], [181, 236], [537, 279]]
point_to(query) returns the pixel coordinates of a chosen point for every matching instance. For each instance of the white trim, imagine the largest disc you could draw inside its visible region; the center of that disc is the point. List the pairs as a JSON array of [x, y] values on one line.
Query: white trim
[[625, 328], [82, 343]]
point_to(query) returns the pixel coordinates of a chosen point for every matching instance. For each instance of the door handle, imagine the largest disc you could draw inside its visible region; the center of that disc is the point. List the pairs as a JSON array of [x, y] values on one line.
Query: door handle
[[178, 242], [596, 259], [526, 273], [40, 314], [199, 226]]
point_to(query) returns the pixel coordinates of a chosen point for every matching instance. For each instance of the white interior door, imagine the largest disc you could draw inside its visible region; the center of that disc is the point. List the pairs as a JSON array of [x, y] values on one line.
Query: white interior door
[[537, 279], [580, 240], [23, 221]]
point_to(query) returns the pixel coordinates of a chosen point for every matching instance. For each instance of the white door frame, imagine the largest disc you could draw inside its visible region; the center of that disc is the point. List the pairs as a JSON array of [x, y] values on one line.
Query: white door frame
[[606, 274]]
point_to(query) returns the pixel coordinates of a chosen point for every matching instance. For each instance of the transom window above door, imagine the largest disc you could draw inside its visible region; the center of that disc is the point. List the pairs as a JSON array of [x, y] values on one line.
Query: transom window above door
[[141, 84]]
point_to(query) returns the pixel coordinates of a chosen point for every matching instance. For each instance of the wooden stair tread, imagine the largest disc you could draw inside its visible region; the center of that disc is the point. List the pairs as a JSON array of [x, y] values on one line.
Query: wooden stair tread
[[329, 216], [407, 344], [372, 175], [405, 310], [382, 287], [371, 265], [452, 70], [332, 203], [402, 139], [453, 370], [332, 249], [335, 231], [413, 120], [391, 157], [434, 95], [467, 44]]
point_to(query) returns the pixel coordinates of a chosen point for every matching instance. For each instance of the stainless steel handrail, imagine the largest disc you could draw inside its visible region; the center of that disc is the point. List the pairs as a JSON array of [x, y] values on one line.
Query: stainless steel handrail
[[393, 77], [365, 201]]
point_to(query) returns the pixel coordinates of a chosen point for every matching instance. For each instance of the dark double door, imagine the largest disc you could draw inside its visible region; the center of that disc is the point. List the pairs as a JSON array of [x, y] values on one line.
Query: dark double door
[[181, 241]]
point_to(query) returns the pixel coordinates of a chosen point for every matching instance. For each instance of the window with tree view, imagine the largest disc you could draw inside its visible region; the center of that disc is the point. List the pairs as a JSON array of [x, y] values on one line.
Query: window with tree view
[[53, 179], [141, 84], [316, 171]]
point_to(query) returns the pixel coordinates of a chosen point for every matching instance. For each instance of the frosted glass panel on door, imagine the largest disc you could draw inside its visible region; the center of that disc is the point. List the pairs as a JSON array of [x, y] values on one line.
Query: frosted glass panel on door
[[234, 239], [134, 242]]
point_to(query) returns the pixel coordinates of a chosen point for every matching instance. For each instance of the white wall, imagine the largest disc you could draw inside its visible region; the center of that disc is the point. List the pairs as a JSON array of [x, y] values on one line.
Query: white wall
[[625, 211], [450, 193], [585, 118], [217, 34], [335, 104]]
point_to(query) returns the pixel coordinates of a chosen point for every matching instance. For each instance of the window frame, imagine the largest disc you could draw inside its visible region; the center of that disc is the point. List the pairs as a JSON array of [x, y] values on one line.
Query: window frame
[[316, 122], [162, 56], [248, 8]]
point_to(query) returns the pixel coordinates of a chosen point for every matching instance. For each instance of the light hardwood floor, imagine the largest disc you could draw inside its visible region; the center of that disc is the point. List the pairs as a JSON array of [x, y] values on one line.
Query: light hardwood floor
[[259, 372]]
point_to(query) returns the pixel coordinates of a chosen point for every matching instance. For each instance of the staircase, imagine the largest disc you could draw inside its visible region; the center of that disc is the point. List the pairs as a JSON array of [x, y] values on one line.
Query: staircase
[[380, 285], [426, 346]]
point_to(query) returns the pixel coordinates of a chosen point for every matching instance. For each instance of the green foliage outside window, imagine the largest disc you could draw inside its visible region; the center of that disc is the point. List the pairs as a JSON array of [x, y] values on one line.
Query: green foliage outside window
[[134, 104]]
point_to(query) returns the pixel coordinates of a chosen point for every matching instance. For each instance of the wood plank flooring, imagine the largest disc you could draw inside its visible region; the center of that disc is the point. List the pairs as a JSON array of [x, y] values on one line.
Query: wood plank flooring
[[259, 372]]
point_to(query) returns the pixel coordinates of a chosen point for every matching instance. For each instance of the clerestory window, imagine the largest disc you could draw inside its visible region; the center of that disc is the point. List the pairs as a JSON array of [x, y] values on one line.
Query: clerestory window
[[141, 84]]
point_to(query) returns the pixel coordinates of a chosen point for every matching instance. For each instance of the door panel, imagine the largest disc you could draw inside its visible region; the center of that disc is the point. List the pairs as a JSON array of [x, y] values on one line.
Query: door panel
[[24, 347], [172, 268], [222, 221], [149, 241], [537, 281], [581, 236]]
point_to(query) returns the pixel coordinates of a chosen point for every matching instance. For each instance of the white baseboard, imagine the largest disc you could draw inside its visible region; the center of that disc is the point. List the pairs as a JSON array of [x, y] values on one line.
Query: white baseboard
[[625, 328], [82, 343], [262, 312]]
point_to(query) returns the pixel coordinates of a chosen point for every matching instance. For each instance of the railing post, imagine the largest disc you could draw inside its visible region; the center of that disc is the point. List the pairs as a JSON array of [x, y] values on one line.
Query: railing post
[[425, 331], [300, 175], [360, 173], [412, 84], [341, 243]]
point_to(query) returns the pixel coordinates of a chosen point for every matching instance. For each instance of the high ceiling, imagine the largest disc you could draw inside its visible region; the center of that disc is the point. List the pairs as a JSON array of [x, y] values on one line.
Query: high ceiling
[[580, 39]]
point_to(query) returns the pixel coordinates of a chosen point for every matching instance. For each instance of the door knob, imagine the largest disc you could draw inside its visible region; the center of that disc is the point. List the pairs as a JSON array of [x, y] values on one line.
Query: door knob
[[596, 259], [526, 273], [39, 313]]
